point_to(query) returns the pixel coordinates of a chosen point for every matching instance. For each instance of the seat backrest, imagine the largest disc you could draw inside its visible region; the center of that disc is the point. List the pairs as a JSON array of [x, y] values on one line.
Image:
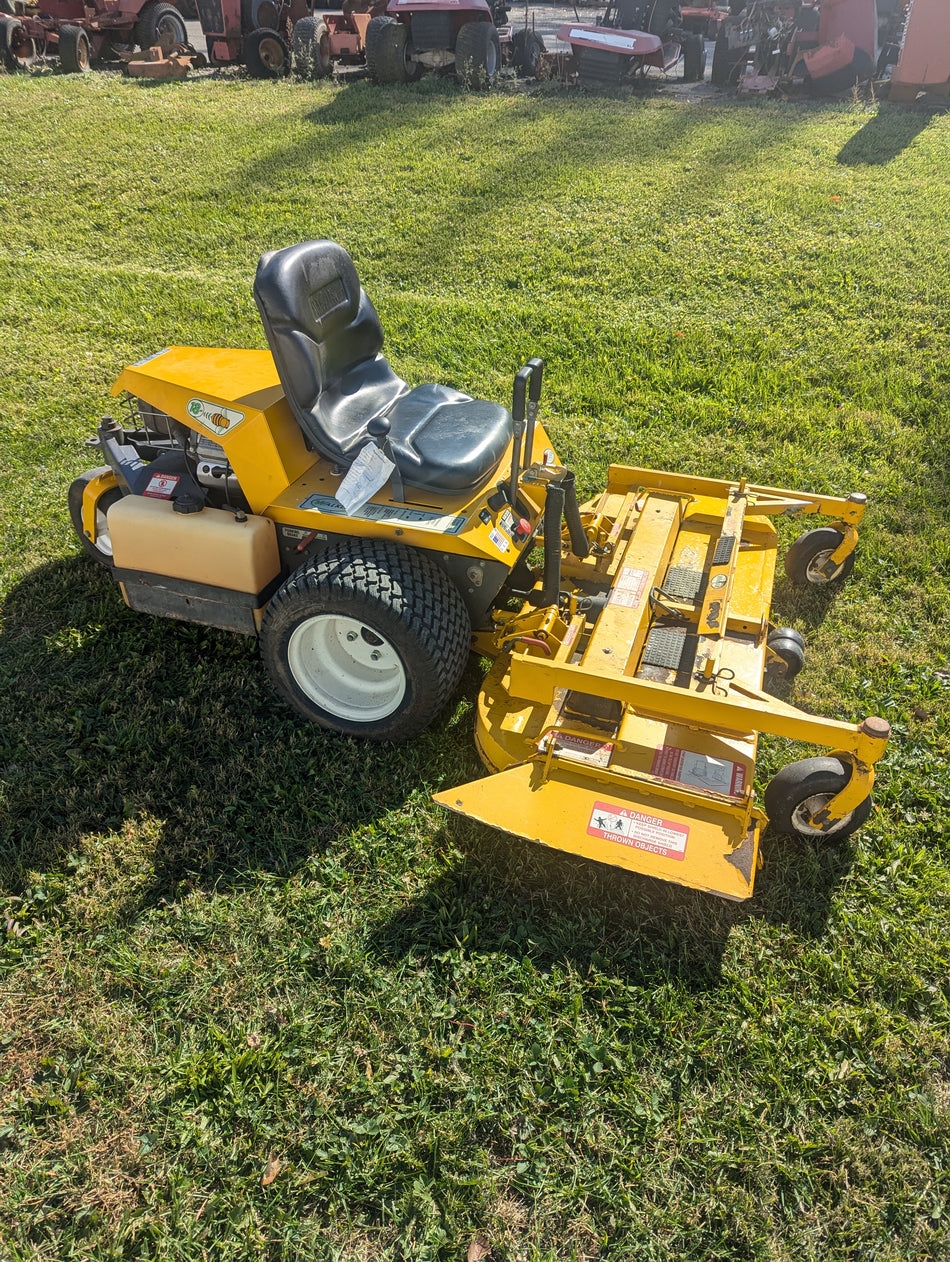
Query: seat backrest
[[320, 324]]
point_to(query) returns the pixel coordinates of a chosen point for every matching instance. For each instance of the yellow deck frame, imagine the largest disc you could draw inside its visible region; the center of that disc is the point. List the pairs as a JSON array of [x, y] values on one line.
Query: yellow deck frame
[[653, 770]]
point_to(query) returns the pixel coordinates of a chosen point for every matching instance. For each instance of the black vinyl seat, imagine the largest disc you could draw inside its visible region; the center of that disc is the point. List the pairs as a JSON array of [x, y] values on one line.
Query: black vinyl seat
[[326, 339]]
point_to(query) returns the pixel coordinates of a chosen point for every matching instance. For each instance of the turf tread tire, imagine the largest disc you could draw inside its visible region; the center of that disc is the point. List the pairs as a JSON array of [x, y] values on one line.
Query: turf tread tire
[[399, 593], [310, 46], [477, 55], [74, 54], [257, 66], [148, 32], [385, 50]]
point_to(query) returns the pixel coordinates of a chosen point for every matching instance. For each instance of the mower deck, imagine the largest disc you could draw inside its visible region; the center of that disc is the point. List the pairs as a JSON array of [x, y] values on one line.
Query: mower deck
[[626, 731]]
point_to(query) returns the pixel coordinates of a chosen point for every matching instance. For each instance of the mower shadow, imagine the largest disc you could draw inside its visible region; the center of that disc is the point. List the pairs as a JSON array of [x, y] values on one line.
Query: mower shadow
[[514, 897], [884, 137], [122, 720]]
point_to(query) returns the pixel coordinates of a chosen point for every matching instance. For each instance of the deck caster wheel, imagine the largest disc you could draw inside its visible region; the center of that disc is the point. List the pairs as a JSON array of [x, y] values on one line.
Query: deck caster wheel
[[101, 549], [799, 792], [368, 640], [808, 554], [789, 646]]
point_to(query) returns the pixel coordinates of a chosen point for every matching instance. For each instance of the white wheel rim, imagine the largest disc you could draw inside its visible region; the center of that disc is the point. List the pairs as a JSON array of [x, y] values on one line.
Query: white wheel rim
[[805, 812], [491, 61], [346, 668], [103, 538], [814, 574]]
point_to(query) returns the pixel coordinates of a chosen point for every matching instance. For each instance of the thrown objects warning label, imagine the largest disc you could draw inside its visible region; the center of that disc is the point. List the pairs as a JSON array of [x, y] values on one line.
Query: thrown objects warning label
[[638, 829]]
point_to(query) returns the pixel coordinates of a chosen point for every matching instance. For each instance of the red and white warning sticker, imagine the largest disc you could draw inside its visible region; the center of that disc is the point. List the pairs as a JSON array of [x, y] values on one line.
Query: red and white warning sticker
[[719, 775], [629, 588], [638, 829], [582, 748], [161, 486]]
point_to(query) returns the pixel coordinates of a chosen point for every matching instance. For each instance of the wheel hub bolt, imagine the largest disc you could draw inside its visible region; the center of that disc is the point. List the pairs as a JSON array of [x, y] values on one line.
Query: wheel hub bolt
[[351, 635], [374, 656]]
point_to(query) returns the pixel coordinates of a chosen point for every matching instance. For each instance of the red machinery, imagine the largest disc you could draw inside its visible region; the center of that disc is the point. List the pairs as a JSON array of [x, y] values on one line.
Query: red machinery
[[398, 39], [632, 36], [82, 31]]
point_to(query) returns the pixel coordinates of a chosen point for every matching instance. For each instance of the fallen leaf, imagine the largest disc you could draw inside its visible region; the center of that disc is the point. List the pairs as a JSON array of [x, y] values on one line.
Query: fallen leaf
[[478, 1249], [270, 1174], [253, 1041]]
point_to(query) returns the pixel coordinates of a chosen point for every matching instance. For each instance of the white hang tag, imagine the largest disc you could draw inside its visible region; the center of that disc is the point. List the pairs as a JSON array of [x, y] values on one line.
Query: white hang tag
[[368, 472]]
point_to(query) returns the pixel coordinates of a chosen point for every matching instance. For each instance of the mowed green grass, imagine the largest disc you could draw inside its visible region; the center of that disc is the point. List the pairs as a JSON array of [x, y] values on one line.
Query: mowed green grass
[[236, 946]]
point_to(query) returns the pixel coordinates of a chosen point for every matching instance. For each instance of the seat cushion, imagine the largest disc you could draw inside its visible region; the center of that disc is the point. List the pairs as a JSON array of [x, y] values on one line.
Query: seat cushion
[[447, 441]]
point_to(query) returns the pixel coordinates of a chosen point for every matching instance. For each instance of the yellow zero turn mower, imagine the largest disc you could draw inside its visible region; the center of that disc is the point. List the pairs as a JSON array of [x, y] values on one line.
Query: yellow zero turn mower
[[371, 535]]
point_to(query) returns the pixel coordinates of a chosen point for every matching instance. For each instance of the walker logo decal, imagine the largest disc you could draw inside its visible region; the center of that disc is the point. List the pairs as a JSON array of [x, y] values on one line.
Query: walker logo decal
[[639, 830], [718, 775], [214, 416]]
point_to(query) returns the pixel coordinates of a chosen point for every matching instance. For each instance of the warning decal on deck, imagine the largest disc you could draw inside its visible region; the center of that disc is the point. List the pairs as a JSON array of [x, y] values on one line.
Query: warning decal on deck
[[638, 829], [719, 775], [581, 748], [629, 588]]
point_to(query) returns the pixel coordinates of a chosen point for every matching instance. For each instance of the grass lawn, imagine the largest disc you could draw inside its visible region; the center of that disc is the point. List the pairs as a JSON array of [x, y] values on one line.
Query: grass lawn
[[259, 998]]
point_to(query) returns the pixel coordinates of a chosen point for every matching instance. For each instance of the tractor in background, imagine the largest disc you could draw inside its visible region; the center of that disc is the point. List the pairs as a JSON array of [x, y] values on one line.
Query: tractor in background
[[399, 40], [631, 37], [83, 31]]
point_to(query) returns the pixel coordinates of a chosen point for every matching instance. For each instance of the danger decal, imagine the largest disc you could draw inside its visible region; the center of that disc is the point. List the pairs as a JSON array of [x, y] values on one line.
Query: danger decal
[[638, 829], [718, 775], [161, 486]]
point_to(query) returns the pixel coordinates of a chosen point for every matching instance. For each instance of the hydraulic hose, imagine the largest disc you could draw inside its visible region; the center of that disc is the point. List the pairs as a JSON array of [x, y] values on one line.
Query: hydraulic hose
[[572, 516], [551, 581]]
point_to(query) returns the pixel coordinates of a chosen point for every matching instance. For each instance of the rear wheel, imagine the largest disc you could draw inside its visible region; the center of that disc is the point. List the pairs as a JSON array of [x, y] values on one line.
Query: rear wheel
[[17, 50], [266, 54], [368, 640], [389, 52], [160, 25], [311, 48], [477, 54], [727, 63], [694, 59], [800, 790], [101, 549], [527, 52], [74, 49]]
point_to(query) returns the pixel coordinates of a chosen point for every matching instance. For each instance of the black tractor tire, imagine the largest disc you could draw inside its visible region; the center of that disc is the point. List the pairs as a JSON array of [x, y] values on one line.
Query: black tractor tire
[[389, 55], [790, 647], [259, 14], [801, 789], [370, 639], [661, 18], [266, 55], [74, 55], [807, 553], [694, 59], [527, 51], [310, 43], [727, 63], [17, 50], [597, 68], [477, 55], [160, 25], [101, 550]]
